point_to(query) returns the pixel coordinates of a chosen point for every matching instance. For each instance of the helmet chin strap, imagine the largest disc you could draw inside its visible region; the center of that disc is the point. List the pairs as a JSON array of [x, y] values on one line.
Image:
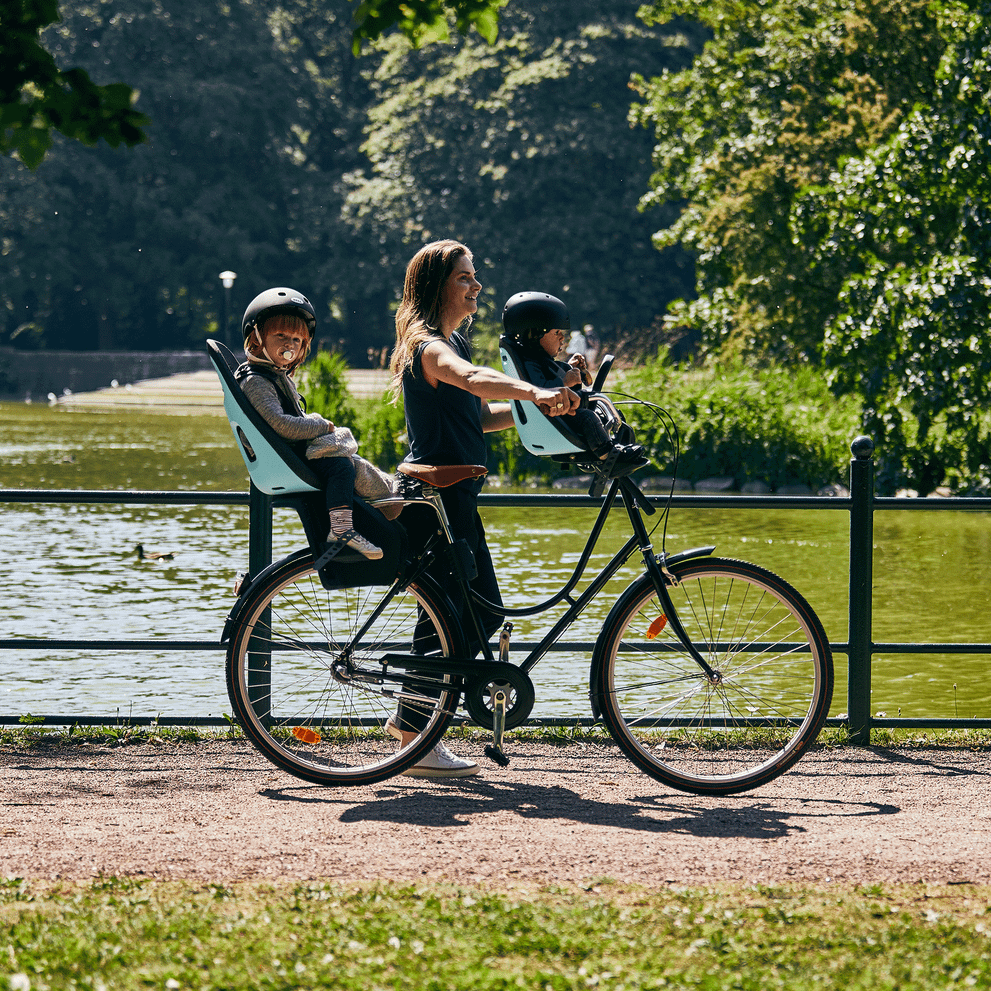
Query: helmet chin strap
[[261, 344], [289, 355]]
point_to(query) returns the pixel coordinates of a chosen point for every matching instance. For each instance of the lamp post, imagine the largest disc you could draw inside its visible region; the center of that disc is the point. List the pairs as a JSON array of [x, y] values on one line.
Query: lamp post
[[227, 278]]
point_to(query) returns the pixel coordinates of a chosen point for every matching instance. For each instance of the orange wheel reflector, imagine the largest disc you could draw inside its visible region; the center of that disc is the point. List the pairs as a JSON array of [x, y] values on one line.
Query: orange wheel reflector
[[306, 735], [657, 626]]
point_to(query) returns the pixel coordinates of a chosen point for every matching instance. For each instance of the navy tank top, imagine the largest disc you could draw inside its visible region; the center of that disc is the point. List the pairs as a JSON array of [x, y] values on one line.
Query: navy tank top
[[444, 425]]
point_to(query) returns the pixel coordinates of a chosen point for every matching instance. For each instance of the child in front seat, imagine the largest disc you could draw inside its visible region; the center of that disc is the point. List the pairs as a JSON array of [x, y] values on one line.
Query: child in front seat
[[537, 323]]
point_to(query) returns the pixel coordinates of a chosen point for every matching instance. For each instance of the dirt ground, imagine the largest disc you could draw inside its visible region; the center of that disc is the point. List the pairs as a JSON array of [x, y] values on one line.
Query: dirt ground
[[219, 811]]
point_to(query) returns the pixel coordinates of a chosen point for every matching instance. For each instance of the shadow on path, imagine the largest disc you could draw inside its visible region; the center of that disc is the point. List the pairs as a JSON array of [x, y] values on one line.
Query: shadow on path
[[460, 804]]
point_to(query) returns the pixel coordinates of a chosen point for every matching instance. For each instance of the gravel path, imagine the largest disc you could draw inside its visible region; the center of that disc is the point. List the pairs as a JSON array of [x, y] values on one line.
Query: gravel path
[[219, 811]]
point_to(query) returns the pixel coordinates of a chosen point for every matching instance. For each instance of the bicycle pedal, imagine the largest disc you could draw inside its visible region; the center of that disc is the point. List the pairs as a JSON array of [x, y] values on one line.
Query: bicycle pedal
[[496, 755]]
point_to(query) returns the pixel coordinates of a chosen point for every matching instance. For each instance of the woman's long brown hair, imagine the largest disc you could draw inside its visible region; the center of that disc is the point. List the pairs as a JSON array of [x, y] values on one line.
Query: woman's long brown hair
[[418, 316]]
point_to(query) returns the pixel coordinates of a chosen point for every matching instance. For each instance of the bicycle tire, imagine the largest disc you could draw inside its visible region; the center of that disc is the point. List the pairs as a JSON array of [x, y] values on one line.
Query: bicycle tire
[[775, 667], [301, 709]]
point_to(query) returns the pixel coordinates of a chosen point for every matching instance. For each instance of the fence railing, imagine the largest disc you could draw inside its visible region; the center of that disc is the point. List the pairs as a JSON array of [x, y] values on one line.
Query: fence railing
[[860, 648]]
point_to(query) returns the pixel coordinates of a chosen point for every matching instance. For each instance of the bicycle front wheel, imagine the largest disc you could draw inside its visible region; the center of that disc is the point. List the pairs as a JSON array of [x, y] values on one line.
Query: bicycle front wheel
[[766, 703], [306, 685]]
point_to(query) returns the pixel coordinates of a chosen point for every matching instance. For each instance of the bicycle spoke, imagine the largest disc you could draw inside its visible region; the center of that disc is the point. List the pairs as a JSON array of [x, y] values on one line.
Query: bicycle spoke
[[770, 690]]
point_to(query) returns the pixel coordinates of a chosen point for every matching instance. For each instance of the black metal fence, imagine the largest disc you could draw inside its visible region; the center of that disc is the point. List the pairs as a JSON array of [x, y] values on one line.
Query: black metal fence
[[861, 505]]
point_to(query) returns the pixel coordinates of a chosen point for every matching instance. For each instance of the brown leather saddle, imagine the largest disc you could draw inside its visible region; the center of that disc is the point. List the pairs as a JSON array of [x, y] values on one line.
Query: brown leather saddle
[[441, 476]]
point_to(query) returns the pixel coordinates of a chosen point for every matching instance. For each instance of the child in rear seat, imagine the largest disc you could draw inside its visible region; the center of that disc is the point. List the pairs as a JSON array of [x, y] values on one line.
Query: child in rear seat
[[278, 329], [536, 322]]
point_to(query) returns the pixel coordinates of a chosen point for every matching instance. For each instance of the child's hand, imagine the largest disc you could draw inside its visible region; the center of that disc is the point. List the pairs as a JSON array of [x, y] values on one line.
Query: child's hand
[[327, 424], [580, 365]]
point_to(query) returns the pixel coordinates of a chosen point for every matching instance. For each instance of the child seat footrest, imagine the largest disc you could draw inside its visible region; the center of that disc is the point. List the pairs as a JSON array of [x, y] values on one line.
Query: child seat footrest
[[332, 549]]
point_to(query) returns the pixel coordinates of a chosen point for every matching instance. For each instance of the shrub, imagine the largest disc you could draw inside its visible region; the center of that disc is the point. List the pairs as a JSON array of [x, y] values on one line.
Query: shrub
[[774, 424], [323, 380], [382, 429]]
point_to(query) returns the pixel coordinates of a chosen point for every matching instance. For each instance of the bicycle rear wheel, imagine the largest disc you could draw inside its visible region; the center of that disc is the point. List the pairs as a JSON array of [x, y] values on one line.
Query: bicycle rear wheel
[[314, 700], [771, 697]]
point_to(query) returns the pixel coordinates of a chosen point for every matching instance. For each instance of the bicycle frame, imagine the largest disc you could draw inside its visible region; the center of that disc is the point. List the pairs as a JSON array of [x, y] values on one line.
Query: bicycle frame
[[633, 500]]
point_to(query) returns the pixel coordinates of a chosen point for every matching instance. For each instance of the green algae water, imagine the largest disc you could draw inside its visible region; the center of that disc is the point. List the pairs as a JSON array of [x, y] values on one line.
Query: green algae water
[[70, 572]]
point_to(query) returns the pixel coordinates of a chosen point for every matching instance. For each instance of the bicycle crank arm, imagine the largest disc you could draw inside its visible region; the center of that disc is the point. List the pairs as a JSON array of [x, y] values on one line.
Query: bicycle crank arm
[[494, 750]]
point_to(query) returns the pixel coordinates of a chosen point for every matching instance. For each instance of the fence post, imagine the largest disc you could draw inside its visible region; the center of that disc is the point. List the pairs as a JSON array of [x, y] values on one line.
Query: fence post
[[861, 583], [259, 557], [259, 530]]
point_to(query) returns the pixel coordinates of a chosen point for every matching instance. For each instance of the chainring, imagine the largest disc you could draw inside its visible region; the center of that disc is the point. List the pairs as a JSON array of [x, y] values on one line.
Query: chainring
[[513, 681]]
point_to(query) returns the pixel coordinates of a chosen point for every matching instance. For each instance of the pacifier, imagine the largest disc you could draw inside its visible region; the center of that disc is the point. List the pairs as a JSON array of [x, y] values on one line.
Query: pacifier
[[287, 355]]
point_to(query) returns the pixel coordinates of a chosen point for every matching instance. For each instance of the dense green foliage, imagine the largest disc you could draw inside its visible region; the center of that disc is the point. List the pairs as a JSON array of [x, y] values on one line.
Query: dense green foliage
[[907, 224], [122, 933], [424, 21], [523, 150], [273, 152], [773, 425], [323, 381], [832, 159], [38, 97], [782, 92]]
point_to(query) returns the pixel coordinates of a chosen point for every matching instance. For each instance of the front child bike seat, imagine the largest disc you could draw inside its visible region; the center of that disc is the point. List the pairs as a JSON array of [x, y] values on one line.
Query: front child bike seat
[[540, 433]]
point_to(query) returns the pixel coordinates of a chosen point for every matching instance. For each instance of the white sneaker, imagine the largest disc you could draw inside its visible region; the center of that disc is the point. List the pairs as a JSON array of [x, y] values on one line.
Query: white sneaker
[[361, 544], [439, 763]]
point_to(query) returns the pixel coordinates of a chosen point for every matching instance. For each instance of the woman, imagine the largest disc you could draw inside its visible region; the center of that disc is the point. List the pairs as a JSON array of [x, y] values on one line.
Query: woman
[[448, 413]]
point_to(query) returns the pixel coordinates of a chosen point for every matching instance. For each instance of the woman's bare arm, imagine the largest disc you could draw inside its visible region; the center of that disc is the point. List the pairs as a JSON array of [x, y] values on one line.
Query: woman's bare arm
[[441, 364]]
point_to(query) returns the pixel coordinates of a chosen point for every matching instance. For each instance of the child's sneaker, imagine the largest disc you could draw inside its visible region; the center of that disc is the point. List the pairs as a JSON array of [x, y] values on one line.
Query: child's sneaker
[[629, 458], [361, 544]]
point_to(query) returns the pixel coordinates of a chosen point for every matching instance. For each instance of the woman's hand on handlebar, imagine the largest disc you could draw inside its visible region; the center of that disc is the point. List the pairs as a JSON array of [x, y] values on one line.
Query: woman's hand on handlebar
[[557, 402]]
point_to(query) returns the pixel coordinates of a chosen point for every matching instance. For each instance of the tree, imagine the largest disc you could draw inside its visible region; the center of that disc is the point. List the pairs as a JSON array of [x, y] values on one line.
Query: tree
[[37, 97], [106, 249], [523, 150], [425, 21], [783, 91], [257, 161], [907, 223]]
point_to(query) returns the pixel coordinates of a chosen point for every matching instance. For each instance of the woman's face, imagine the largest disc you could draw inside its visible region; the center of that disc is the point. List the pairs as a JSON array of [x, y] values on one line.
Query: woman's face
[[459, 295], [552, 342]]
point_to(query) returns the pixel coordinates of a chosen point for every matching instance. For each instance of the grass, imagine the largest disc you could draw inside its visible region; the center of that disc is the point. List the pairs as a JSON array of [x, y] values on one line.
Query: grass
[[123, 933], [119, 933], [565, 734]]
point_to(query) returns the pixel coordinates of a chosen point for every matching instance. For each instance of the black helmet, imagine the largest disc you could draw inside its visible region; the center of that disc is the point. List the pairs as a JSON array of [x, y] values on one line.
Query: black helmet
[[273, 301], [526, 313]]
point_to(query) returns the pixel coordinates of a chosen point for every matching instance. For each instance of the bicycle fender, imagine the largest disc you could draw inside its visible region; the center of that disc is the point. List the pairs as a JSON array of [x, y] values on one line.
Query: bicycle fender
[[619, 606], [667, 561], [249, 584]]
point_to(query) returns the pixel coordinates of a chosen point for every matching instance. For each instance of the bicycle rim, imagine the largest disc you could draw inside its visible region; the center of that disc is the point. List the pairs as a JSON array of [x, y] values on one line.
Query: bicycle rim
[[771, 697], [314, 706]]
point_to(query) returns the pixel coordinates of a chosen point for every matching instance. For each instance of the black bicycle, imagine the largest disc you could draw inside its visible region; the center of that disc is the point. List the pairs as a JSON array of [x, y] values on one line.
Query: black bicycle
[[714, 676]]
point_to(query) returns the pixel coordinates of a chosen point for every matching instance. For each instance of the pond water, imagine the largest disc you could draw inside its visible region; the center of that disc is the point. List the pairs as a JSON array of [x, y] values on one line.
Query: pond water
[[71, 572]]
